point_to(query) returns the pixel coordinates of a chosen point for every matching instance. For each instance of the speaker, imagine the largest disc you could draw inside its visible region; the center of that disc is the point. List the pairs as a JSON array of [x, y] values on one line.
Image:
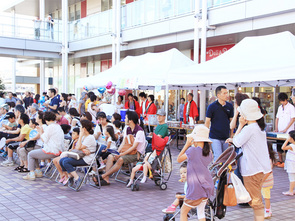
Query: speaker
[[50, 81]]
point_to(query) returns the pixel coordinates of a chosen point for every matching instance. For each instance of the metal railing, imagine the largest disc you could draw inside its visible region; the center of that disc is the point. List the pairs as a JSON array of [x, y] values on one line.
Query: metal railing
[[135, 14], [17, 27]]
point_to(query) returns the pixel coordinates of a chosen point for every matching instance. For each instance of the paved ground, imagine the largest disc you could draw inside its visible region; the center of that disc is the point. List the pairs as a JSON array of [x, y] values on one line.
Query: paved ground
[[46, 200]]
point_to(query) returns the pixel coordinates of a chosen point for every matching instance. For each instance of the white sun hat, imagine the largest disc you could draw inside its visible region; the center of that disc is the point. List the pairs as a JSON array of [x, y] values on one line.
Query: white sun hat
[[249, 109], [200, 134]]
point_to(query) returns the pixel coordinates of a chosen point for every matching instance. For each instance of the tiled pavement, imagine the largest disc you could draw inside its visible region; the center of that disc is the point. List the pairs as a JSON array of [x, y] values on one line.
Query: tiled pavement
[[46, 200]]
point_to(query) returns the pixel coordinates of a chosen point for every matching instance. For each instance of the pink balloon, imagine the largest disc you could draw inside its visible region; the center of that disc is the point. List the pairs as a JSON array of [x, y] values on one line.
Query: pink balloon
[[111, 91], [109, 85], [122, 92]]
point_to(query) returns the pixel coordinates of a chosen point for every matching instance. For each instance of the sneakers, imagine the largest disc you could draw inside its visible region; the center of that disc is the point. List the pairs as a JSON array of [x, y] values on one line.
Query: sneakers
[[38, 173], [288, 193], [143, 180], [76, 183], [6, 163], [267, 214], [169, 210], [102, 166], [129, 184], [29, 176], [281, 165]]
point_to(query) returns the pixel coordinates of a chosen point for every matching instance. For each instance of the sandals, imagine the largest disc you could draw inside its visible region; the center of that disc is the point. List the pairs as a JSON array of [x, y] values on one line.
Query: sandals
[[19, 167], [23, 170], [102, 181]]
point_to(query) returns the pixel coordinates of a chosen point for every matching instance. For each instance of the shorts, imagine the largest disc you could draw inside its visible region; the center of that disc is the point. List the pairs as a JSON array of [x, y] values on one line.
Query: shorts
[[192, 203], [253, 185], [266, 192], [291, 177], [13, 145], [129, 158]]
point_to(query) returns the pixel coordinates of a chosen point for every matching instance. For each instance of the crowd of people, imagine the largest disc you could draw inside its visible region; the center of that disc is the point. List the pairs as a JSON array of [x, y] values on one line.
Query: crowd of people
[[37, 129]]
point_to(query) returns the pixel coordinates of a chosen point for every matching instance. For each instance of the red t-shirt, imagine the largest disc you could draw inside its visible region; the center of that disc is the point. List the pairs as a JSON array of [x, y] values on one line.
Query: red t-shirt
[[63, 120]]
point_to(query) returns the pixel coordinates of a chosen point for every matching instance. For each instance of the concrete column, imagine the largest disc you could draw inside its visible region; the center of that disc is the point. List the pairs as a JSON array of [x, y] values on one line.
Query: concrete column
[[204, 31], [118, 33], [13, 81], [42, 62], [196, 32], [114, 33], [65, 48]]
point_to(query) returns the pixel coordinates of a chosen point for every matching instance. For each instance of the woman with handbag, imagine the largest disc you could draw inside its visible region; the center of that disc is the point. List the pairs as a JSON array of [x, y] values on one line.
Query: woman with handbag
[[255, 165], [53, 145], [32, 144], [86, 147]]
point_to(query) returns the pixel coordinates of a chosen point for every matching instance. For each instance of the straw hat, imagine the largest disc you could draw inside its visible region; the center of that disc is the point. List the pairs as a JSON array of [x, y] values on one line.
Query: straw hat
[[200, 134], [250, 110]]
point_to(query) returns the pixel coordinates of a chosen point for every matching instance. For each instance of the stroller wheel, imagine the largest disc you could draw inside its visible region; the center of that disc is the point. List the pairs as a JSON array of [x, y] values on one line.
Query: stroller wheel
[[168, 217], [158, 182], [136, 186], [132, 187], [163, 186]]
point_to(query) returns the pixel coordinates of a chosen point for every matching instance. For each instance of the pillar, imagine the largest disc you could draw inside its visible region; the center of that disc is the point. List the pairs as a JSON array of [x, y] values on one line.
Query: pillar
[[42, 62], [65, 47], [13, 77], [196, 32], [118, 33], [203, 104], [204, 31]]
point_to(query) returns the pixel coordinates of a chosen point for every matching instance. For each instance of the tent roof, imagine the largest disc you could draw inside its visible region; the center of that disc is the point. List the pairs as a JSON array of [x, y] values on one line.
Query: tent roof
[[142, 71], [266, 60]]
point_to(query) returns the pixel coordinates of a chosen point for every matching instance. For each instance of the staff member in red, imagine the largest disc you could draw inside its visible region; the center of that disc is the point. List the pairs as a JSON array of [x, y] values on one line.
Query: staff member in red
[[132, 104], [151, 107], [190, 109], [144, 103]]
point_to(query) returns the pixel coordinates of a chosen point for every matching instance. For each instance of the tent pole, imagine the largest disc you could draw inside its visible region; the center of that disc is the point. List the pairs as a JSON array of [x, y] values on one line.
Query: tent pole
[[167, 101], [274, 107]]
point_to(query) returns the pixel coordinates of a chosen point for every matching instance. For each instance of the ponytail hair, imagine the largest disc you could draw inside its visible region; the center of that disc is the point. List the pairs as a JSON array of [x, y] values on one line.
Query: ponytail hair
[[110, 130], [261, 123], [206, 149], [87, 125]]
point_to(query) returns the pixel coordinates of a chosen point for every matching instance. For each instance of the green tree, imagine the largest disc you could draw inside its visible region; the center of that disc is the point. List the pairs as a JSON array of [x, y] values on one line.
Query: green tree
[[2, 86]]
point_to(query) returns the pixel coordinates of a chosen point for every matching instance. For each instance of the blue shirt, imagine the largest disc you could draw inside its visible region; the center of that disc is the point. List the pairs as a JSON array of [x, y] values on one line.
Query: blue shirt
[[220, 116], [54, 101]]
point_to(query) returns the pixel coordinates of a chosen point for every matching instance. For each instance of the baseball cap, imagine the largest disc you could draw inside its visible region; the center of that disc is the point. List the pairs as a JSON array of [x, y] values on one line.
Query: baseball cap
[[161, 112], [9, 115], [5, 106]]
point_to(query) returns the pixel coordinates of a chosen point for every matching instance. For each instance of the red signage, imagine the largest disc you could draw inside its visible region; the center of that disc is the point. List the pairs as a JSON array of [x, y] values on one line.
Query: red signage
[[213, 52]]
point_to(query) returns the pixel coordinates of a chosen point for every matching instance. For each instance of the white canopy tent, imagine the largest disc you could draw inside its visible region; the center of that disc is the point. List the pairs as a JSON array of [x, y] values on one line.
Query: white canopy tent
[[255, 61], [139, 72]]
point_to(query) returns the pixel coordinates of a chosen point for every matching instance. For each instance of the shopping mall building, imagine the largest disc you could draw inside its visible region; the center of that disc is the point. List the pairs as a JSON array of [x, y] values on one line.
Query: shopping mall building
[[96, 34]]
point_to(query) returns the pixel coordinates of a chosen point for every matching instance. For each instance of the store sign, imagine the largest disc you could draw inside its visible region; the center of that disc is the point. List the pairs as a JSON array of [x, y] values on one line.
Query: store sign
[[214, 52]]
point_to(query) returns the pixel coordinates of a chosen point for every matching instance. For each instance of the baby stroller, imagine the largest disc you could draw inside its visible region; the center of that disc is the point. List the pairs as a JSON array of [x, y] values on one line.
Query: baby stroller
[[226, 162], [161, 169]]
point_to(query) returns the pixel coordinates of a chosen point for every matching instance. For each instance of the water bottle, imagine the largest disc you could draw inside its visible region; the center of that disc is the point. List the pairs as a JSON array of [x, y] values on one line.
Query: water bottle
[[216, 184]]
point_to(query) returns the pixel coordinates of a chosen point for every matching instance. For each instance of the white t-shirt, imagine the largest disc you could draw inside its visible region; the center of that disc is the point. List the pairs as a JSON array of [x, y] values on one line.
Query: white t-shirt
[[255, 157], [53, 138], [119, 107], [285, 115], [101, 139], [113, 144], [90, 143]]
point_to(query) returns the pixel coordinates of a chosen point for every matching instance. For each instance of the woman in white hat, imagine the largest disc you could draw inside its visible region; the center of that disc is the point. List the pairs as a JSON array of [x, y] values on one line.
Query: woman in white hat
[[197, 152], [255, 165]]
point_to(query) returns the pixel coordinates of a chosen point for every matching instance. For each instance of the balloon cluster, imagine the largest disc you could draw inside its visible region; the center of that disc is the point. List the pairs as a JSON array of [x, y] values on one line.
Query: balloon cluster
[[108, 90]]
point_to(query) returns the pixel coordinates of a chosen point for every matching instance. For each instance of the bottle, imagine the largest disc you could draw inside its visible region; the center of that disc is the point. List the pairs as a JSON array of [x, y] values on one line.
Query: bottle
[[216, 184]]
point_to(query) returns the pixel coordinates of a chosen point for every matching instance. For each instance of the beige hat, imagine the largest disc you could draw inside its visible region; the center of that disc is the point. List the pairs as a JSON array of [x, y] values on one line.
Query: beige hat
[[200, 134], [249, 109]]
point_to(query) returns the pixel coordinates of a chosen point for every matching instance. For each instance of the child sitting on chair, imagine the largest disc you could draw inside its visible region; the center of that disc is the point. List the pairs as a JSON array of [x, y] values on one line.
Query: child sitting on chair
[[179, 196], [148, 160]]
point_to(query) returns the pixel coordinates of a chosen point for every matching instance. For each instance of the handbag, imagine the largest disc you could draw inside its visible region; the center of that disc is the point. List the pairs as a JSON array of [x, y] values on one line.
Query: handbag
[[30, 144], [242, 194], [229, 198], [129, 140], [75, 154]]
